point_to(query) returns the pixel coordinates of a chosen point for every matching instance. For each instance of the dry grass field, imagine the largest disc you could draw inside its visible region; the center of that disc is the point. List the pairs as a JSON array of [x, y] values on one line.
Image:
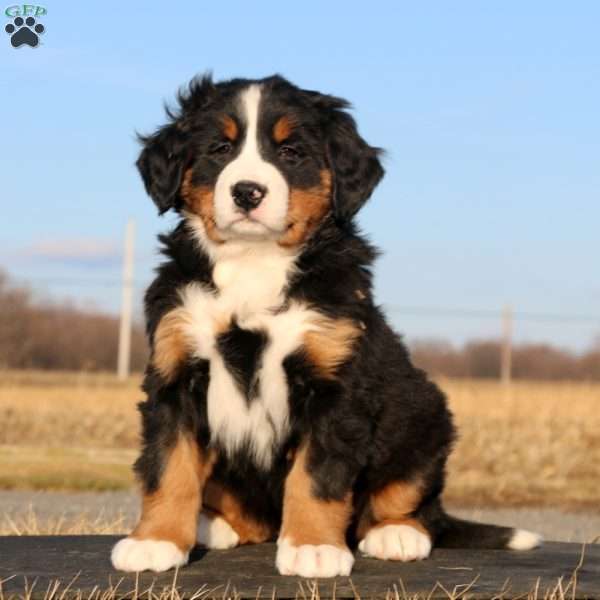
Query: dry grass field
[[540, 446]]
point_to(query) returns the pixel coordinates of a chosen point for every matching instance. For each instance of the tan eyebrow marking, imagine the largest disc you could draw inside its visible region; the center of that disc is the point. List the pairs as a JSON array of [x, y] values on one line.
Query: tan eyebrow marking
[[283, 129], [230, 128]]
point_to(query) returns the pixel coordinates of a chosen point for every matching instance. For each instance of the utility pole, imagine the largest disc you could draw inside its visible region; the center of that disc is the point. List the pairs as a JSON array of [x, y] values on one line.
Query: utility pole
[[124, 358], [506, 351]]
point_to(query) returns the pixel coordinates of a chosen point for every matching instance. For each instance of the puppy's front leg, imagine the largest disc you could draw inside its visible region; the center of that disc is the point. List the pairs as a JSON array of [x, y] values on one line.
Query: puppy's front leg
[[166, 531], [312, 540]]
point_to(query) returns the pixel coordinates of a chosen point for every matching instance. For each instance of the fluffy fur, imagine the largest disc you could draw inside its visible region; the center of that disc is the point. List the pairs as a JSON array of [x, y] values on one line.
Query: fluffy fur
[[272, 367]]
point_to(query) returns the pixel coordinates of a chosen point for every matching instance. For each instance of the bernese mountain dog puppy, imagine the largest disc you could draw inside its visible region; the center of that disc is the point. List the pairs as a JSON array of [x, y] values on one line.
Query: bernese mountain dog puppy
[[280, 404]]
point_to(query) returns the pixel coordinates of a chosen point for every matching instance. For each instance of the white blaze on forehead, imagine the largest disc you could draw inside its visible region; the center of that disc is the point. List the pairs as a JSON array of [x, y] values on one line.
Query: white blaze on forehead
[[250, 160], [249, 165]]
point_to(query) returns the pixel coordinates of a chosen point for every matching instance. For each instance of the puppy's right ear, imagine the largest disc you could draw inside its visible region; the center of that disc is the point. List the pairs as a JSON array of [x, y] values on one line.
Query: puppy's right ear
[[166, 154], [161, 165]]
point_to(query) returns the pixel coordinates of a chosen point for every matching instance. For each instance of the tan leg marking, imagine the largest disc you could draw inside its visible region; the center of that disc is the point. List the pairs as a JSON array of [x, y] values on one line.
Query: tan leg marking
[[171, 512], [308, 519], [199, 200], [331, 344], [306, 210], [218, 501], [388, 529], [407, 521], [393, 504]]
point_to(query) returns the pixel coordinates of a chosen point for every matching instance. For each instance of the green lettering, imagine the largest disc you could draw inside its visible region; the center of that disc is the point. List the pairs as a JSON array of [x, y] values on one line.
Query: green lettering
[[12, 11]]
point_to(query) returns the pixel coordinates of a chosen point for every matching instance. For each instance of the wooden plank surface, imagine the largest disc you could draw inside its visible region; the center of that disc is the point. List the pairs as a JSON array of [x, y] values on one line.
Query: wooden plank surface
[[250, 571]]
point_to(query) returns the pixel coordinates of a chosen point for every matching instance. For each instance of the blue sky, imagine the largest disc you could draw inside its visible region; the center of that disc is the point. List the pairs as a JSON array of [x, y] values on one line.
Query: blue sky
[[488, 112]]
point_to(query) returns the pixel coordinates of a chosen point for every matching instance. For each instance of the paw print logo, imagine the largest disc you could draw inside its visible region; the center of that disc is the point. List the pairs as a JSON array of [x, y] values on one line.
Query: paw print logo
[[24, 32]]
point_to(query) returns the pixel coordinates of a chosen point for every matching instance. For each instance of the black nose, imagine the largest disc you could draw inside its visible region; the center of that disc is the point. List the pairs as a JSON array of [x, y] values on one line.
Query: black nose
[[248, 194]]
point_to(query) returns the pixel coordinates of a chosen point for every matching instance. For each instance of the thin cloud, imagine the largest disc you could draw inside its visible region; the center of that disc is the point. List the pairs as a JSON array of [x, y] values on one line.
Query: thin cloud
[[98, 252]]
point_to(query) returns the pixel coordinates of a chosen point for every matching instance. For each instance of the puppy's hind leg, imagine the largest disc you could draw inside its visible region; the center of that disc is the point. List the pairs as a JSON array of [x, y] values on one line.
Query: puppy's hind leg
[[225, 523], [389, 528]]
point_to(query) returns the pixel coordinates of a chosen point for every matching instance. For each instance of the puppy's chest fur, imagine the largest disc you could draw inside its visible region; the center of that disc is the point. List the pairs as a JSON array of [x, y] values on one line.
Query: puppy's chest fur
[[245, 330]]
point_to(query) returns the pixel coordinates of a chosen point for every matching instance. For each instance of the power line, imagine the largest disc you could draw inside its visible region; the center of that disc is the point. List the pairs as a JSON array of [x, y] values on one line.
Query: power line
[[76, 281], [489, 314], [410, 310]]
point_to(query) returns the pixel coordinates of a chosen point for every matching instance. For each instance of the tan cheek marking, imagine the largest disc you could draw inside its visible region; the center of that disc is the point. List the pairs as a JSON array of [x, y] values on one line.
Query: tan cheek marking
[[225, 504], [306, 210], [171, 346], [331, 344], [282, 129], [308, 519], [171, 512], [199, 200], [230, 128], [394, 503]]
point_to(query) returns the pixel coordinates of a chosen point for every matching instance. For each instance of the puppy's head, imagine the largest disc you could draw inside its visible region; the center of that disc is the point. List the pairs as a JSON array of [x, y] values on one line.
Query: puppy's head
[[259, 160]]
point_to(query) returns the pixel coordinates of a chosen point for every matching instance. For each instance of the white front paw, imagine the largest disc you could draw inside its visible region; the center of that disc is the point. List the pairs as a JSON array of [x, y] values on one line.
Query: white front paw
[[324, 560], [216, 532], [396, 542], [130, 554]]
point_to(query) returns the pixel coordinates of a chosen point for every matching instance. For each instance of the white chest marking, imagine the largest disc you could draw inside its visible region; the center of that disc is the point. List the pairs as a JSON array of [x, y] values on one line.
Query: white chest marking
[[250, 284]]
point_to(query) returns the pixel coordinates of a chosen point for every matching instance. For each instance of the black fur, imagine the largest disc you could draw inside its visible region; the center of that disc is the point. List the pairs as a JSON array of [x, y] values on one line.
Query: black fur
[[380, 419], [241, 350]]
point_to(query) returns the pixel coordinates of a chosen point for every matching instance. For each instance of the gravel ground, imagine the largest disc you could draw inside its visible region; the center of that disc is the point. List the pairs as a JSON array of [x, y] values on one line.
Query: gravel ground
[[49, 505], [553, 524]]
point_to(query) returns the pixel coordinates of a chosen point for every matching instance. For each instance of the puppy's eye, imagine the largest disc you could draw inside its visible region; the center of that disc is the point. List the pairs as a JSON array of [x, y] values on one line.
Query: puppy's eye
[[222, 148], [289, 153]]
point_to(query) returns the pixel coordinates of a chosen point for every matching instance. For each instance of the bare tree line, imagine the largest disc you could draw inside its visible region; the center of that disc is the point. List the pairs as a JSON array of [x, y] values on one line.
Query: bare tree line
[[38, 333], [481, 358], [41, 334]]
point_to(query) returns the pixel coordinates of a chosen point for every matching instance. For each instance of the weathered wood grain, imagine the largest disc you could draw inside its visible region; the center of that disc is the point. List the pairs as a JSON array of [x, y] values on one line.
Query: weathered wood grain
[[250, 572]]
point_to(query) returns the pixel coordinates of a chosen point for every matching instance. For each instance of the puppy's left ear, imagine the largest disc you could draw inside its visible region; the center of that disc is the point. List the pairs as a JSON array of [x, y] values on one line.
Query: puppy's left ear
[[356, 166], [161, 165]]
